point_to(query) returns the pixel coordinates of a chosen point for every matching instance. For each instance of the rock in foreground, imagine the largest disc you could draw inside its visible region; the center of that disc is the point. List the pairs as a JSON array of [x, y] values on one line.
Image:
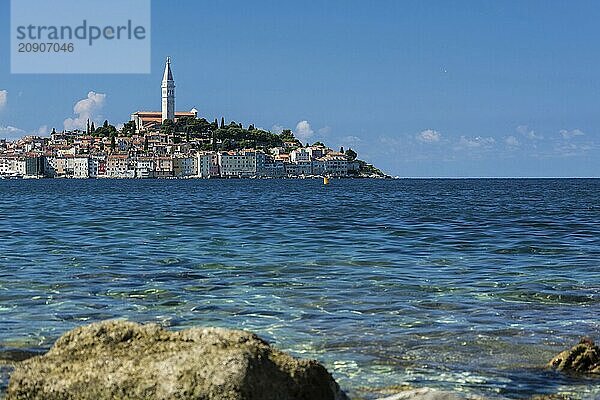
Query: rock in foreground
[[125, 360], [582, 358]]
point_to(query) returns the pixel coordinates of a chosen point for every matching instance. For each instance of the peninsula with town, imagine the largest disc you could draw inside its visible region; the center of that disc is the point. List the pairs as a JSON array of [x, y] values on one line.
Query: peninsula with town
[[170, 144]]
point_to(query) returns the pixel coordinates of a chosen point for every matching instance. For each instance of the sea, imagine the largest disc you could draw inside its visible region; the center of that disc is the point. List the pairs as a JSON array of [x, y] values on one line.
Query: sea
[[466, 285]]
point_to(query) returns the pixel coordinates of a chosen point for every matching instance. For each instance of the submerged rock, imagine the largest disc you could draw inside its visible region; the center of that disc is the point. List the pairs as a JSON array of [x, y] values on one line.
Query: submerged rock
[[582, 358], [11, 356], [125, 360]]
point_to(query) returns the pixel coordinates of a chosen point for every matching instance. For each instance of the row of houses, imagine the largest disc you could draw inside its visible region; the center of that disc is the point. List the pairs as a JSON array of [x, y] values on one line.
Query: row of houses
[[202, 164], [22, 166]]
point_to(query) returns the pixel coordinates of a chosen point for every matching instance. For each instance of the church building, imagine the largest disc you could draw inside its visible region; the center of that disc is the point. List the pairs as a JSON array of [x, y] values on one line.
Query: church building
[[151, 120]]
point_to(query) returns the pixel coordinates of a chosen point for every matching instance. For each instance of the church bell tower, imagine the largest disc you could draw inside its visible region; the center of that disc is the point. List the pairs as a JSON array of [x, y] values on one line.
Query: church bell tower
[[168, 93]]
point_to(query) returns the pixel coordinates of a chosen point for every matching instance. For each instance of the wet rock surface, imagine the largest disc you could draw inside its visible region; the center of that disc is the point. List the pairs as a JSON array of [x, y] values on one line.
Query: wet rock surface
[[125, 360], [10, 356], [581, 358]]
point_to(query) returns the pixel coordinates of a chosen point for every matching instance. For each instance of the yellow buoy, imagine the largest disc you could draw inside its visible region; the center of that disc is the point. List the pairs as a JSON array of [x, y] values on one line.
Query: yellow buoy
[[325, 180]]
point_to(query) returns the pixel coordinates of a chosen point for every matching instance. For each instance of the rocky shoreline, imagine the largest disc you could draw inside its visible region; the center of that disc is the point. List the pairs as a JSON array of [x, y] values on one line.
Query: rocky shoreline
[[125, 360]]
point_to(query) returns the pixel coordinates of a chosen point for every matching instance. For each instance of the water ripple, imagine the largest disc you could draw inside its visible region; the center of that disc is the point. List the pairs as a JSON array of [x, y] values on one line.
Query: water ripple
[[467, 285]]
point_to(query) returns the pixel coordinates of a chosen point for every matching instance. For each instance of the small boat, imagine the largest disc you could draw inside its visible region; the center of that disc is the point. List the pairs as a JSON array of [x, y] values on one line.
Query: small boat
[[325, 180]]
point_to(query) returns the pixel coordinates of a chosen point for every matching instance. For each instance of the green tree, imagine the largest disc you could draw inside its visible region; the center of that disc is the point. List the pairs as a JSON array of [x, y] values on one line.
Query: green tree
[[342, 149], [113, 143], [222, 122], [92, 128], [146, 146], [167, 127], [351, 154], [227, 145], [105, 130], [287, 135], [128, 128], [193, 126]]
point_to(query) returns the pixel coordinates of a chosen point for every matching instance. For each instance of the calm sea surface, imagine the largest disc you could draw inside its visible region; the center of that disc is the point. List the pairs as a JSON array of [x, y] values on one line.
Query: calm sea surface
[[467, 285]]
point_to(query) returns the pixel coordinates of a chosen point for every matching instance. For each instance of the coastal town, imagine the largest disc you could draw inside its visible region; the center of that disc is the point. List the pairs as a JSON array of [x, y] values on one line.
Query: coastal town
[[170, 144]]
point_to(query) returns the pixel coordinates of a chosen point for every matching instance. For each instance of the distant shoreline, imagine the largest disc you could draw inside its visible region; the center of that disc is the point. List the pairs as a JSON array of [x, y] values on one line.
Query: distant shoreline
[[291, 178], [295, 178]]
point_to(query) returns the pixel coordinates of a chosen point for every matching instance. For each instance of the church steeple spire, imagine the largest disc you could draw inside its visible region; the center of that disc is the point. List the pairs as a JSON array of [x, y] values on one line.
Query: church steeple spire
[[168, 92], [168, 76]]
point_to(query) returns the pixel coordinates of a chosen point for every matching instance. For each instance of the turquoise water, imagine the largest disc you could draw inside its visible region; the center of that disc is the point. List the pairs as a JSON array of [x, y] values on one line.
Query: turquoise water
[[468, 285]]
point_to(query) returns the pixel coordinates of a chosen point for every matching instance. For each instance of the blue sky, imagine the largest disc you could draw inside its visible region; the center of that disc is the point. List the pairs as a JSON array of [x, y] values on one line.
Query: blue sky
[[437, 88]]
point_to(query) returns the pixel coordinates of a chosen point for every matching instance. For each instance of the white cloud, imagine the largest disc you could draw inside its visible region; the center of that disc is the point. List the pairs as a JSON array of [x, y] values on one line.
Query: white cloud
[[569, 149], [303, 130], [391, 142], [10, 129], [429, 136], [351, 140], [324, 131], [570, 134], [3, 98], [476, 142], [277, 129], [85, 109], [512, 141], [42, 130], [11, 132], [528, 133]]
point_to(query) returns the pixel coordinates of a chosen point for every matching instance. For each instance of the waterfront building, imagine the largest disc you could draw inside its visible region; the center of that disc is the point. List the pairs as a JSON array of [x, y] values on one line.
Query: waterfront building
[[274, 168], [119, 166], [50, 166], [335, 164], [78, 167], [241, 164], [97, 166], [183, 166], [34, 166], [300, 168], [163, 167], [207, 164], [260, 162], [67, 166], [318, 167], [300, 155], [13, 166], [316, 152], [144, 167], [60, 167], [353, 167]]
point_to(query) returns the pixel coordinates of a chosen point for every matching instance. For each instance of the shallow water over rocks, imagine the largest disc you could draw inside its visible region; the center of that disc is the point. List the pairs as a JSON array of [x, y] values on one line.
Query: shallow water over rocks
[[462, 285]]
